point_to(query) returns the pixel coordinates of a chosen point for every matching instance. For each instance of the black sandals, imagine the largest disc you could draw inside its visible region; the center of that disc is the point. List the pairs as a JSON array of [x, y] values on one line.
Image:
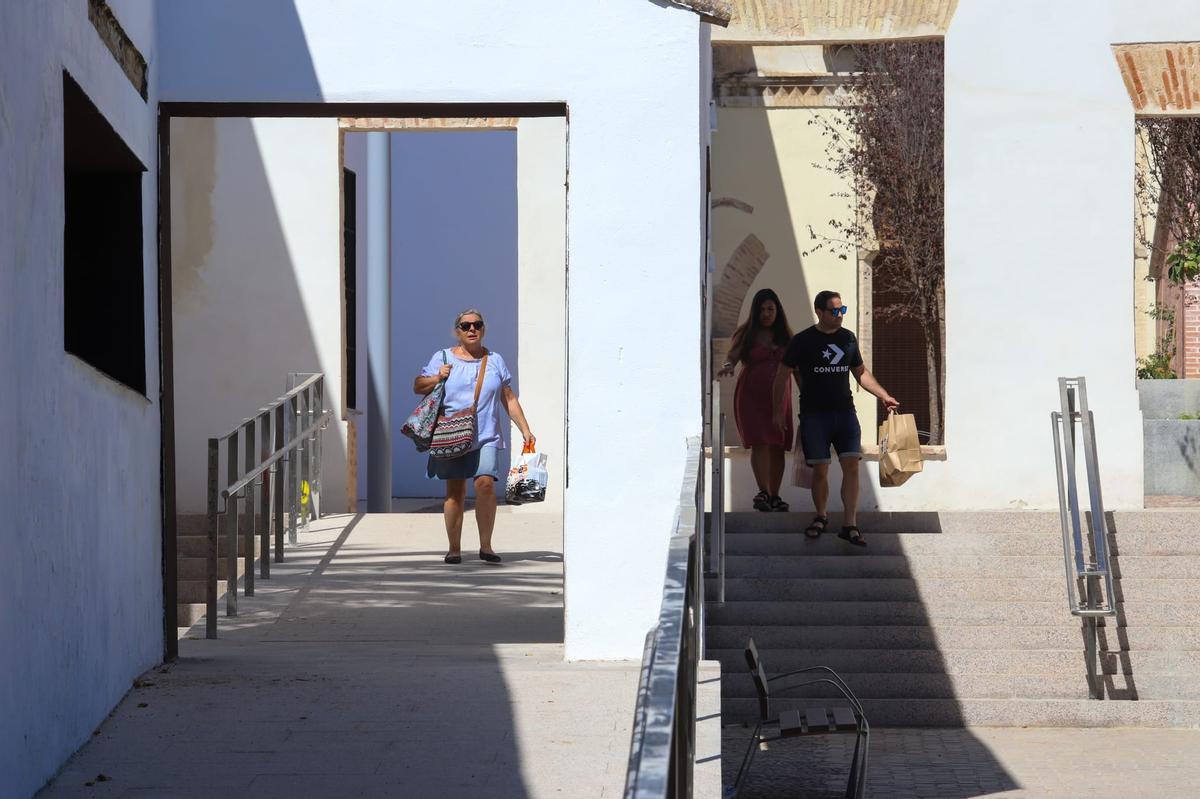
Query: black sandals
[[851, 533], [777, 505], [762, 501], [816, 527]]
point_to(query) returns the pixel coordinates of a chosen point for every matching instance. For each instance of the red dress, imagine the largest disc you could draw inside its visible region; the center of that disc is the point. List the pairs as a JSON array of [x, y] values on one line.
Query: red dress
[[752, 400]]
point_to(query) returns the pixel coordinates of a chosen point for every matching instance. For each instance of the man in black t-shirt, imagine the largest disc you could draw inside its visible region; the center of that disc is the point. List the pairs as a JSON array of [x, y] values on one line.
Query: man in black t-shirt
[[822, 358]]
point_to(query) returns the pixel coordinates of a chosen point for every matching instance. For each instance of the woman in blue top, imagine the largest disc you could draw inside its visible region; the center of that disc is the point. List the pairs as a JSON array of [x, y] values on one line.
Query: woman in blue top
[[459, 367]]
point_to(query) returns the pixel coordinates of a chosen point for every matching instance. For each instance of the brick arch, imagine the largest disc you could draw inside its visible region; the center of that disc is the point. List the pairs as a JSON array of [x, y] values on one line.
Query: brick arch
[[737, 276]]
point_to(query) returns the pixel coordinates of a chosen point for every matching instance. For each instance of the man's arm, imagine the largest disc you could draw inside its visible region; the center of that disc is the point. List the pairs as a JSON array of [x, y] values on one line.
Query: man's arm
[[868, 381]]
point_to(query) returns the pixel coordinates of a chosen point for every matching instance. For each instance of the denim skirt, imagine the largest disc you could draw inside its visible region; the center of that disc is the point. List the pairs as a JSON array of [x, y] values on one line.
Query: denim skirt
[[476, 463]]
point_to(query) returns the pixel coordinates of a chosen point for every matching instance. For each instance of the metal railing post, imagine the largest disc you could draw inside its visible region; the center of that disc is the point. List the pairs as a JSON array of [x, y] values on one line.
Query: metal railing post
[[231, 515], [264, 496], [210, 588], [278, 477], [249, 538], [293, 470], [1082, 574], [719, 514], [318, 448]]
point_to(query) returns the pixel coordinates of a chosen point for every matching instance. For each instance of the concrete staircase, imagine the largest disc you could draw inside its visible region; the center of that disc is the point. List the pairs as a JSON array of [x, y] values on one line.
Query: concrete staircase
[[192, 553], [961, 619]]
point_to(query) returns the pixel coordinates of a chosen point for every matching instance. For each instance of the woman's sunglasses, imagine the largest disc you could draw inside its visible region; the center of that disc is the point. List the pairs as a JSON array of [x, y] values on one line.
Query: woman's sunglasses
[[465, 326], [845, 309]]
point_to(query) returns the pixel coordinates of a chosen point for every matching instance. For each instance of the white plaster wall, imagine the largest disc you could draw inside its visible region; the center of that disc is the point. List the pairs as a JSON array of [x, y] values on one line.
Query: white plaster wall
[[636, 243], [81, 602], [542, 294], [257, 292], [1039, 248]]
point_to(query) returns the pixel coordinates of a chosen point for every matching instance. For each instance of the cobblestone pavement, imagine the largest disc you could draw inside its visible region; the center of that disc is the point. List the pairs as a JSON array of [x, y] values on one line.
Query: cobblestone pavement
[[982, 761]]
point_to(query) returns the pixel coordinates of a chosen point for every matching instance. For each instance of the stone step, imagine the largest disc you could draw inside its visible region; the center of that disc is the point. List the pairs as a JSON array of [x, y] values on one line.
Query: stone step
[[863, 564], [194, 591], [188, 613], [197, 568], [941, 613], [196, 546], [998, 712], [965, 662], [978, 637], [934, 589], [1152, 521], [978, 686], [793, 542]]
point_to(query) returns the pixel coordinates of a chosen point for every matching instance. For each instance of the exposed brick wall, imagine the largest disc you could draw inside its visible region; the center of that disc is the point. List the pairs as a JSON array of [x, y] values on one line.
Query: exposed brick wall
[[1188, 332]]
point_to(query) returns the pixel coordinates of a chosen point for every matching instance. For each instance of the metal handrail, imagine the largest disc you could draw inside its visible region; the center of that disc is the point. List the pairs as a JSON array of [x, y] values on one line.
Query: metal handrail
[[717, 517], [1085, 547], [266, 457], [663, 742]]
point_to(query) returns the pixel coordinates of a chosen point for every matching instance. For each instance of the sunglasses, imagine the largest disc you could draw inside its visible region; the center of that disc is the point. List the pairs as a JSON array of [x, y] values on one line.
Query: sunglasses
[[465, 326], [845, 309]]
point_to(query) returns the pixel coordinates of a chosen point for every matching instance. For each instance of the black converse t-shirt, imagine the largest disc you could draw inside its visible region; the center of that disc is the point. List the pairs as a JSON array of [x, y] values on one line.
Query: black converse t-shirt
[[824, 361]]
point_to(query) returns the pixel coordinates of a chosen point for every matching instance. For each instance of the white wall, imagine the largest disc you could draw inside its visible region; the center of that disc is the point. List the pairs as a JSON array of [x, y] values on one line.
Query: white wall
[[257, 283], [81, 601], [635, 234], [1039, 248]]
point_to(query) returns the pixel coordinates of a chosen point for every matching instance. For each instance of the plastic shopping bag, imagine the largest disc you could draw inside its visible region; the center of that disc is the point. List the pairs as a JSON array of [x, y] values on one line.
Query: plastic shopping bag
[[802, 473], [527, 478]]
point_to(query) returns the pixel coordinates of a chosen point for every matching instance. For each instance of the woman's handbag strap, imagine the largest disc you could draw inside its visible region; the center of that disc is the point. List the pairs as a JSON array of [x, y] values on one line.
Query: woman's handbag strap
[[479, 382]]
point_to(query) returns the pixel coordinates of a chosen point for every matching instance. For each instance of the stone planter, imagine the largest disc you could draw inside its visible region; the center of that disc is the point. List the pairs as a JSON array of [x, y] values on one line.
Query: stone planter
[[1171, 446]]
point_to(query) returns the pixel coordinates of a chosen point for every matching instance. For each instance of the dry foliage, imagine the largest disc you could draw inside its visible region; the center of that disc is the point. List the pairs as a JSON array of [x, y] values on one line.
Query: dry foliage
[[888, 145]]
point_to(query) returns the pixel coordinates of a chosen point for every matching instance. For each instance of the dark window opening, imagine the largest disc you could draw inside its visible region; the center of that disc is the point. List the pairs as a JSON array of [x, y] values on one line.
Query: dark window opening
[[103, 283], [350, 282], [898, 353]]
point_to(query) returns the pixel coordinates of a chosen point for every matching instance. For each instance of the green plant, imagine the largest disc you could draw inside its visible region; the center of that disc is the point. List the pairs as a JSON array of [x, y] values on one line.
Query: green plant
[[1183, 265], [1189, 417], [1157, 365]]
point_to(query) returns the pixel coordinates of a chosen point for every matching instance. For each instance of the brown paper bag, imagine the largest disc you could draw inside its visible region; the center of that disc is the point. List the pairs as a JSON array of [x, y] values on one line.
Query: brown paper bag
[[899, 449]]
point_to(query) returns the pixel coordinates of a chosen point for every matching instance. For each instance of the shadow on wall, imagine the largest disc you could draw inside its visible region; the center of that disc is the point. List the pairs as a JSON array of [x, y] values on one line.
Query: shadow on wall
[[757, 236], [256, 285]]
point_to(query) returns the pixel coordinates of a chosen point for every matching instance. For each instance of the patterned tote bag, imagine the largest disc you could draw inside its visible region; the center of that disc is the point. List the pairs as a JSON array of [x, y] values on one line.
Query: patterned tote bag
[[420, 423], [454, 435]]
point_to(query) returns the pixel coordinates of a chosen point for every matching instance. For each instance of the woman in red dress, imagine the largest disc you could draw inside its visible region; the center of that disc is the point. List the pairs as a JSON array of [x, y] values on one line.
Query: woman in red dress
[[758, 345]]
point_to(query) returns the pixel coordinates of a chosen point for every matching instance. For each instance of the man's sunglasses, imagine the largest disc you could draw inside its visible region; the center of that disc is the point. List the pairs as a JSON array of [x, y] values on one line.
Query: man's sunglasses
[[845, 309], [465, 326]]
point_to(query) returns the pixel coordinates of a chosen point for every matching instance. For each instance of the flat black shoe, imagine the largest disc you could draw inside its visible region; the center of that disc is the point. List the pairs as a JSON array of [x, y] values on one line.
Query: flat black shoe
[[490, 557], [851, 534], [453, 558]]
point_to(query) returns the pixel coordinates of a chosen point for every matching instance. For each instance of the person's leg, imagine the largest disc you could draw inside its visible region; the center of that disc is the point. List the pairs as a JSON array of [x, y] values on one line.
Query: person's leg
[[775, 472], [820, 488], [850, 491], [760, 464], [452, 513], [485, 510], [847, 440]]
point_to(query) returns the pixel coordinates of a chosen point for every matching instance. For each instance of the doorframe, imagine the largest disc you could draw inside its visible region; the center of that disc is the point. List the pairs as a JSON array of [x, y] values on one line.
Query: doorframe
[[167, 111]]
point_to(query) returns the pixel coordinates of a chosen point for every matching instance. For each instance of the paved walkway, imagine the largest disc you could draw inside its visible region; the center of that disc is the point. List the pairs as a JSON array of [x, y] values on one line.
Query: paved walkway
[[999, 762], [367, 667]]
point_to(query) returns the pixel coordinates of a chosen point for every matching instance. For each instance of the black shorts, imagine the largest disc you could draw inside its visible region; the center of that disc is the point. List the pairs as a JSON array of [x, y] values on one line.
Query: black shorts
[[821, 430]]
